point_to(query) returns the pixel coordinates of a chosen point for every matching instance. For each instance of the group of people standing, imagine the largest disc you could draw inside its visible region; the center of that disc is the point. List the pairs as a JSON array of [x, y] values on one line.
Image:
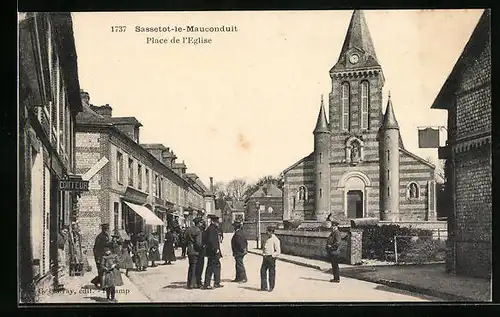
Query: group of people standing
[[199, 241], [203, 241], [70, 252], [115, 252]]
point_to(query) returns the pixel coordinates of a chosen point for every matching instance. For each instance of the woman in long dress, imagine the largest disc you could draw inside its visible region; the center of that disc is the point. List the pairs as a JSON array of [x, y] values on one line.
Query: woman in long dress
[[154, 252], [141, 252], [168, 247], [111, 276], [124, 256]]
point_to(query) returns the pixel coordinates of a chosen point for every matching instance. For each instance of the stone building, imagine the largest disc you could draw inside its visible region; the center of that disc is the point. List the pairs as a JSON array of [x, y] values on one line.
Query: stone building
[[230, 211], [268, 200], [49, 101], [466, 95], [134, 187], [359, 166], [268, 195]]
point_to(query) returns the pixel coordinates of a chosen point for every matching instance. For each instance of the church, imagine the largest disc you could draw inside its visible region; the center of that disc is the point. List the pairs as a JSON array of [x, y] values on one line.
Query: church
[[359, 167]]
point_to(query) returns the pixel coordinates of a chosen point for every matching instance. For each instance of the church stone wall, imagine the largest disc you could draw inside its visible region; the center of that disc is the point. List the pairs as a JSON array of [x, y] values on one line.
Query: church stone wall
[[300, 175], [337, 194], [414, 171]]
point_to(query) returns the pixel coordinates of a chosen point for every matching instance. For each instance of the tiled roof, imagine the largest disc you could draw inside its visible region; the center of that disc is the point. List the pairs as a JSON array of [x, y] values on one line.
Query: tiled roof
[[154, 146], [126, 120], [89, 116], [477, 41], [268, 190]]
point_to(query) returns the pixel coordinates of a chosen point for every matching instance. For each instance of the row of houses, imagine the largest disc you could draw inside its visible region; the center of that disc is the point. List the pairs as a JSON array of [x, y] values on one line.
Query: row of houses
[[132, 186], [80, 164]]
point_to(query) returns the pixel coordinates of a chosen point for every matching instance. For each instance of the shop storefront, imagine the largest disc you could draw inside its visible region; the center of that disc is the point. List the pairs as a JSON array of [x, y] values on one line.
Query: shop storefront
[[47, 108]]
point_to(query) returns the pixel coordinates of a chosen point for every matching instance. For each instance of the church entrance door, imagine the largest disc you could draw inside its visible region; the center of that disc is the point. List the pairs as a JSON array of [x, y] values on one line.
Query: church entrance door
[[355, 204]]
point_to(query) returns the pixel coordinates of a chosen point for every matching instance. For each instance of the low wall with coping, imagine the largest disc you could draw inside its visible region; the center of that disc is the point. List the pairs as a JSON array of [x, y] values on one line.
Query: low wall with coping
[[312, 244]]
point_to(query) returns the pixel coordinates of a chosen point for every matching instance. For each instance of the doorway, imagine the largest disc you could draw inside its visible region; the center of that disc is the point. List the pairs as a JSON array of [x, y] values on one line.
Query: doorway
[[355, 204], [133, 222]]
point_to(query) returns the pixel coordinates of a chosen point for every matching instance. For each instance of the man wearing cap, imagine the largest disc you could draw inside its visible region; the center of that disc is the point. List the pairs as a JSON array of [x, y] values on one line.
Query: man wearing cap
[[101, 241], [194, 247], [332, 249], [200, 263], [239, 244], [212, 251], [271, 251]]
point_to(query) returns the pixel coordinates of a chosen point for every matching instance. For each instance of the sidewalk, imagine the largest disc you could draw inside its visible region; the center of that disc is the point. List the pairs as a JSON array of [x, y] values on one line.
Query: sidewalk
[[315, 264], [427, 279], [79, 289]]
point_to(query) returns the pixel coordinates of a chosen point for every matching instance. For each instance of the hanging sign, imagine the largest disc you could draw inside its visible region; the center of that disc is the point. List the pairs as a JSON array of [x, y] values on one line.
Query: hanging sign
[[74, 185]]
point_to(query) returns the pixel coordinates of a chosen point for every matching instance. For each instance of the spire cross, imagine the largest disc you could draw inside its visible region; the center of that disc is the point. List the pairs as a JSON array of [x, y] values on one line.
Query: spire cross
[[321, 98]]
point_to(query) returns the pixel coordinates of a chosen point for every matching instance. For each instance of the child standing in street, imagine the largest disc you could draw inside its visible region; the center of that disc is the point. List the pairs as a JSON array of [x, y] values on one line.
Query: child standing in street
[[111, 276]]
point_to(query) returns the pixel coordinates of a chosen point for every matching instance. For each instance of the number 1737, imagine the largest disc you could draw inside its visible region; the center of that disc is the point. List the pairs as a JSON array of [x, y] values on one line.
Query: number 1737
[[119, 28]]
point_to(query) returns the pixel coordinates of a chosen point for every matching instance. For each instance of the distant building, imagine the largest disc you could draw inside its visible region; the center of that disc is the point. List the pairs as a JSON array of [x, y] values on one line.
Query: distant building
[[230, 211], [134, 187], [359, 167], [270, 197], [466, 95], [49, 100]]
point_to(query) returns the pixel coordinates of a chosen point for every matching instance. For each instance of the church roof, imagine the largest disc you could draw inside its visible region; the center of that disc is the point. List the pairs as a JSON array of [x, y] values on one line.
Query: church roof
[[298, 162], [322, 122], [389, 121], [357, 37]]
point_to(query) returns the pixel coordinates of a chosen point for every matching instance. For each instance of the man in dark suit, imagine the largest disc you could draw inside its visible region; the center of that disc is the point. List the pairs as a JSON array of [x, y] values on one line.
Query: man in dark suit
[[200, 263], [193, 237], [332, 249], [101, 241], [239, 245], [213, 253]]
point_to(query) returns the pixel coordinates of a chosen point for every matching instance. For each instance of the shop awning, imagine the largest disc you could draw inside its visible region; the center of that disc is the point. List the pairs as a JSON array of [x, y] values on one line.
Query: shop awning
[[149, 217]]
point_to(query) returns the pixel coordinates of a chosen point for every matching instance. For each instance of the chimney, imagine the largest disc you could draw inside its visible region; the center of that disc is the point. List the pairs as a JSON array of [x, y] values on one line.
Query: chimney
[[211, 184], [105, 111], [85, 97]]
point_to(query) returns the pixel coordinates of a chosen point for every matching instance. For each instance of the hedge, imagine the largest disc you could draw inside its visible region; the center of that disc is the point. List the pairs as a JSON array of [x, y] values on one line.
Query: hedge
[[379, 239]]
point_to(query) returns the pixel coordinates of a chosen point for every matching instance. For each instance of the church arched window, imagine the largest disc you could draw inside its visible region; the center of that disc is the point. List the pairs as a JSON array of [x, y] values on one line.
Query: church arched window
[[345, 96], [412, 190], [365, 105]]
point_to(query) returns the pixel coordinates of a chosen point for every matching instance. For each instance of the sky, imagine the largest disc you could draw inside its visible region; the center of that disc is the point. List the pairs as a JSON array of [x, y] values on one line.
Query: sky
[[245, 105]]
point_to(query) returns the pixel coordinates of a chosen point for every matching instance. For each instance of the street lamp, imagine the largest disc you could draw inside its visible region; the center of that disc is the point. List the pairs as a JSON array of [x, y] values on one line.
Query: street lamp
[[257, 206]]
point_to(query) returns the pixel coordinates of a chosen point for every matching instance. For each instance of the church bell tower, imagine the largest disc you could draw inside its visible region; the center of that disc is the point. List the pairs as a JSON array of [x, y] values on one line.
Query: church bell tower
[[357, 82]]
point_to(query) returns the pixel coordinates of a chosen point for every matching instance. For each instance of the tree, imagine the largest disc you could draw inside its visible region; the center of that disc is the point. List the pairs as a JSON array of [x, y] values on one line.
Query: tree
[[236, 189], [220, 190], [269, 179]]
